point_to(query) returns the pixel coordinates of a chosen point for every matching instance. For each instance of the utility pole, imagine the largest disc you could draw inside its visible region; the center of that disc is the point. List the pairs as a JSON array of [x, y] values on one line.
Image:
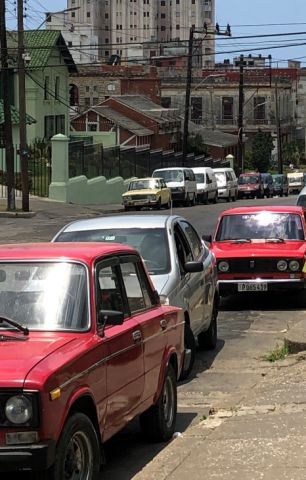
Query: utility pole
[[23, 153], [278, 131], [240, 115], [8, 136], [192, 31]]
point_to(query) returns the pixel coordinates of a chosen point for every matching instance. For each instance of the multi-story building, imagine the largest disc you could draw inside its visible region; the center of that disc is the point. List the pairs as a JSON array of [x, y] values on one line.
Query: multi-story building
[[118, 24]]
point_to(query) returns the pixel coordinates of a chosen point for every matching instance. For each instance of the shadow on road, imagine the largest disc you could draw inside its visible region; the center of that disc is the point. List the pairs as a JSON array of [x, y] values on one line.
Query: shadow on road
[[264, 301]]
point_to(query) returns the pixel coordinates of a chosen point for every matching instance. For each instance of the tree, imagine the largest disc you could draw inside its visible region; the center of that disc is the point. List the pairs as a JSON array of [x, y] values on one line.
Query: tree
[[196, 145], [261, 151]]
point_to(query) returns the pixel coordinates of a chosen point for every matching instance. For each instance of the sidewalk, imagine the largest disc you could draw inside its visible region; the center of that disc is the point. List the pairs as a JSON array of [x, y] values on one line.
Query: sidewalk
[[262, 437]]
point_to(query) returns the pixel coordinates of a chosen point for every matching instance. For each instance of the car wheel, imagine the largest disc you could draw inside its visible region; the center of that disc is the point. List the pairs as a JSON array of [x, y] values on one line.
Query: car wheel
[[190, 344], [158, 205], [168, 204], [208, 339], [77, 453], [205, 198], [158, 422], [127, 209], [215, 198]]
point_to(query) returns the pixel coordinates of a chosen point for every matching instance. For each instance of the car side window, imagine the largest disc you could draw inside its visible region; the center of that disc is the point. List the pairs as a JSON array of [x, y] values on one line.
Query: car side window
[[108, 288], [183, 249], [193, 238], [138, 297]]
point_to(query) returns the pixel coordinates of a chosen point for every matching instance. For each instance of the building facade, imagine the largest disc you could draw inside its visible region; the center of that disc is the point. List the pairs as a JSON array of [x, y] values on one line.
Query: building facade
[[114, 26]]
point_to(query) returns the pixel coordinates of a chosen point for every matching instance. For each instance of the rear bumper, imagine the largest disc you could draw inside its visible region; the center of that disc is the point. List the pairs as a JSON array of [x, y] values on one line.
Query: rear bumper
[[37, 457], [230, 287]]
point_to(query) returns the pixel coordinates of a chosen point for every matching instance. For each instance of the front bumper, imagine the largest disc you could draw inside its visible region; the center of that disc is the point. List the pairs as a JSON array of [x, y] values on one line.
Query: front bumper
[[230, 287], [178, 196], [141, 203], [39, 456], [248, 193]]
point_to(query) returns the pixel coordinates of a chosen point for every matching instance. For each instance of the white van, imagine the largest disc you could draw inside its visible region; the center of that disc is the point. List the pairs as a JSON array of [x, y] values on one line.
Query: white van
[[207, 187], [181, 181], [295, 182], [227, 183], [301, 200]]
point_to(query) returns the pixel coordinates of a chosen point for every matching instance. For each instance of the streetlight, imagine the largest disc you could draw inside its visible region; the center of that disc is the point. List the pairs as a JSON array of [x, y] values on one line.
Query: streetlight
[[49, 14]]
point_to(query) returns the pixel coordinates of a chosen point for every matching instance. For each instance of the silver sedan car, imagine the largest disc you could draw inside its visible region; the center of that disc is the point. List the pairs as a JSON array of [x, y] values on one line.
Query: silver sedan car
[[182, 268]]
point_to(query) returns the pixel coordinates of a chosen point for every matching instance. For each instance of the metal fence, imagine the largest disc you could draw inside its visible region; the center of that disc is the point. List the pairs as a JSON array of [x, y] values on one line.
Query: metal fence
[[94, 160], [39, 171]]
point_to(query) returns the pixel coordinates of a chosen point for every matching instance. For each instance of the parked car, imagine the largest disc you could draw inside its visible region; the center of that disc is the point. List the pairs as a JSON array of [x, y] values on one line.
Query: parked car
[[268, 184], [280, 183], [301, 200], [182, 268], [250, 185], [147, 192], [227, 183], [182, 183], [295, 182], [260, 249], [86, 346], [207, 188]]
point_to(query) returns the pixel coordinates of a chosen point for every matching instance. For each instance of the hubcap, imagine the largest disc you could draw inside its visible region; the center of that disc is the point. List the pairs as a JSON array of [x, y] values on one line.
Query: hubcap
[[168, 402], [79, 458]]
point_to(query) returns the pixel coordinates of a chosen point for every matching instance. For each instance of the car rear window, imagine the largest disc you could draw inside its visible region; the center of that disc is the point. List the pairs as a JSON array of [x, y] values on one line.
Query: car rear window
[[152, 243]]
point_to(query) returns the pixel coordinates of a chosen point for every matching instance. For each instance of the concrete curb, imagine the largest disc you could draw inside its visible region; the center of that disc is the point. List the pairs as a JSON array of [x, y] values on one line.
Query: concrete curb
[[17, 214], [295, 338]]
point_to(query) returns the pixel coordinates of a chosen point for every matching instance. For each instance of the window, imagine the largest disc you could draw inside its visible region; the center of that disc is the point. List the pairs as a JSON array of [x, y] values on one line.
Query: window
[[196, 108], [109, 293], [192, 238], [49, 126], [227, 108], [47, 88], [60, 124], [259, 108], [166, 102], [57, 88], [133, 288]]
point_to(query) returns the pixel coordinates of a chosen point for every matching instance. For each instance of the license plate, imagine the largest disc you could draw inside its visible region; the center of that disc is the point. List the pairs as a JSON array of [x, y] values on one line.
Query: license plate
[[252, 287]]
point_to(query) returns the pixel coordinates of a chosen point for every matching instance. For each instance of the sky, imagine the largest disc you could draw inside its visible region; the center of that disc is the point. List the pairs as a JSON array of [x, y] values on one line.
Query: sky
[[246, 17]]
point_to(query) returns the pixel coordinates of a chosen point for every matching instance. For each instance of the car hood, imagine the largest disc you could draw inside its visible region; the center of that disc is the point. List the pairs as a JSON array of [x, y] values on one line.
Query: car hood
[[160, 282], [144, 191], [18, 358], [258, 249]]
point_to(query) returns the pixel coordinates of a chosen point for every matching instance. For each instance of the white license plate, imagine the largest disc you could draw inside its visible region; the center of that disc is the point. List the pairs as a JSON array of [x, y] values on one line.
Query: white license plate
[[252, 287]]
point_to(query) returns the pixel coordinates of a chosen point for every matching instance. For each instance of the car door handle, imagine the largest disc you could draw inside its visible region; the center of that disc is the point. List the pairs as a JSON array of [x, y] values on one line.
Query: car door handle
[[163, 324], [137, 336]]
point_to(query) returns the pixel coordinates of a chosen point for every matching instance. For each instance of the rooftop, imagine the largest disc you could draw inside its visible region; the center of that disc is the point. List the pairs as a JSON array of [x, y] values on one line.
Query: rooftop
[[121, 120]]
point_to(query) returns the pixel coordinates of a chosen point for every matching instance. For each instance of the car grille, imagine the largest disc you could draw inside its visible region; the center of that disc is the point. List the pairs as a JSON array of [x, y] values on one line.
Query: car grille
[[257, 265], [139, 197]]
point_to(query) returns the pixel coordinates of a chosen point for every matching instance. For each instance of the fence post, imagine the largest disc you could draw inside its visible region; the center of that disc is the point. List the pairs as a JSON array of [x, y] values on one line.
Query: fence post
[[58, 189]]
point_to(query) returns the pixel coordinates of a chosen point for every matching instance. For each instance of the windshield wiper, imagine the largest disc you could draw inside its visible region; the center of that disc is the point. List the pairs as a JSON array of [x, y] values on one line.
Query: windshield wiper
[[17, 325], [275, 240], [241, 240], [9, 338]]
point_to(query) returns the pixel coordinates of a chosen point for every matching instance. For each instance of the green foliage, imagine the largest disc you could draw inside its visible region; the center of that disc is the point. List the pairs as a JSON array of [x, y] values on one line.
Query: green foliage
[[292, 152], [261, 151], [196, 145], [279, 353]]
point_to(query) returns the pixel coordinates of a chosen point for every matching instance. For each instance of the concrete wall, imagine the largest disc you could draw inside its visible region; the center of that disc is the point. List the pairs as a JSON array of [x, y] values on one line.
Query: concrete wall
[[80, 190]]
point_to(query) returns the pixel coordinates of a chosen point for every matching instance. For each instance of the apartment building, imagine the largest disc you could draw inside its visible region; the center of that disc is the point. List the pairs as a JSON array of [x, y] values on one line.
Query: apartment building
[[117, 24]]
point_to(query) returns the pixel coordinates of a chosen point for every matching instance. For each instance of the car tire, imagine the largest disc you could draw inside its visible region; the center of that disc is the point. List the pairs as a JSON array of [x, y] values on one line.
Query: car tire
[[194, 200], [158, 205], [158, 422], [215, 199], [127, 209], [190, 344], [78, 434], [205, 198], [168, 204], [208, 340]]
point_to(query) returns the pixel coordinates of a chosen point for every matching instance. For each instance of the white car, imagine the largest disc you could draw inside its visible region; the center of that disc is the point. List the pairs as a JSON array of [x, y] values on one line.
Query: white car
[[182, 268]]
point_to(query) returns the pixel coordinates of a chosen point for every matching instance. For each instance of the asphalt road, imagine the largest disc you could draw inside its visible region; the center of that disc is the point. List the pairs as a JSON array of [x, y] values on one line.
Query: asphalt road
[[249, 327]]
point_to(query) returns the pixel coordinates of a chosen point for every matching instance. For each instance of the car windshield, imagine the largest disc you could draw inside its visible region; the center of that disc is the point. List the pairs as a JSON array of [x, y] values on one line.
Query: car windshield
[[200, 178], [221, 179], [277, 180], [170, 175], [262, 225], [44, 296], [246, 179], [297, 179], [144, 184], [152, 243]]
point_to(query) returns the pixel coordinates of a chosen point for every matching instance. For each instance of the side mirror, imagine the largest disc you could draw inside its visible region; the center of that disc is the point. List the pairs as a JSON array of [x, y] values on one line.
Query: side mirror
[[207, 238], [193, 267], [110, 317]]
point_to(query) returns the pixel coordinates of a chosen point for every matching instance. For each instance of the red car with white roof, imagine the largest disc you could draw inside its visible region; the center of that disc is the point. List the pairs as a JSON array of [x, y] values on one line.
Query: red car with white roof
[[85, 347], [260, 249]]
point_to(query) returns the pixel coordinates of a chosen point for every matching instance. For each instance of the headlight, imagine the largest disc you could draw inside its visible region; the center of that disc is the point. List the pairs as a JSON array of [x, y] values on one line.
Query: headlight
[[152, 197], [282, 265], [294, 265], [181, 189], [18, 409], [223, 266]]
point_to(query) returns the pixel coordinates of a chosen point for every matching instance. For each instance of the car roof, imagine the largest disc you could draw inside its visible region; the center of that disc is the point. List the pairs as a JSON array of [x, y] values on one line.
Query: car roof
[[225, 169], [278, 209], [61, 251], [120, 221], [145, 178], [172, 168]]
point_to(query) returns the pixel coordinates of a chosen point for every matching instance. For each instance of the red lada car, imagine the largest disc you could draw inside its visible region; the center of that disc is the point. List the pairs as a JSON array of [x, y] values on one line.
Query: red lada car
[[85, 347], [260, 249]]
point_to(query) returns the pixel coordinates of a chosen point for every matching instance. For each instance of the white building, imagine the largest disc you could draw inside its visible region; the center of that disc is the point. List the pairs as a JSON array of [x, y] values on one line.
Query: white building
[[113, 25]]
